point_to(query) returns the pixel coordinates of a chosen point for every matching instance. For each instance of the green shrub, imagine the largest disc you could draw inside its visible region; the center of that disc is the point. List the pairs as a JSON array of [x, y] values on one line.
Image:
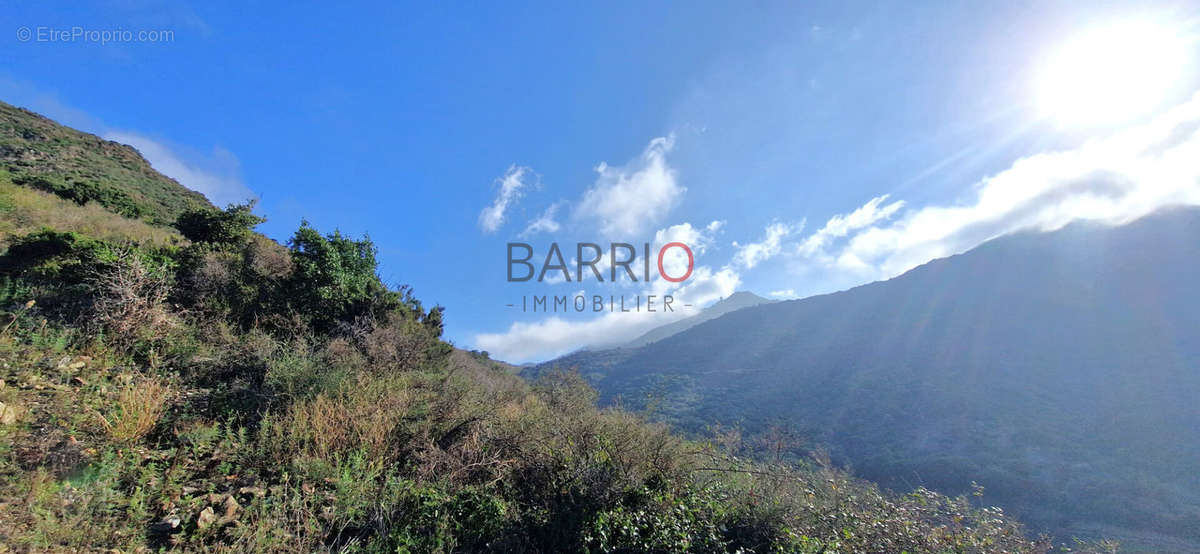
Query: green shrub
[[334, 281], [230, 226]]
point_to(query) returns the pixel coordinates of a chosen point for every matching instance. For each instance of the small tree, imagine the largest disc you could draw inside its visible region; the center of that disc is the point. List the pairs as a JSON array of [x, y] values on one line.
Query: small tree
[[232, 225], [333, 279]]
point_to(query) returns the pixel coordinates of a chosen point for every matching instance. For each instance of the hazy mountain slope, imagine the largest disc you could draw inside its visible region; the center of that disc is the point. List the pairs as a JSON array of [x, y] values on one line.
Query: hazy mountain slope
[[39, 153], [735, 301], [1044, 366]]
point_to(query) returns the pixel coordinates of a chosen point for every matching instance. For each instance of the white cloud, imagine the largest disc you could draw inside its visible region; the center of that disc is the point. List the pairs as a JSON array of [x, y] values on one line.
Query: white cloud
[[512, 185], [1114, 179], [554, 335], [697, 239], [544, 223], [626, 200], [841, 225], [785, 293], [217, 175], [751, 254]]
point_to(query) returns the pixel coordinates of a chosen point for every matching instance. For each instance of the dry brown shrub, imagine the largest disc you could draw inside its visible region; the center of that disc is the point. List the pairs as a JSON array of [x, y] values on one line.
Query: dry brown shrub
[[215, 272], [400, 346], [472, 459], [369, 416], [340, 353], [131, 302], [139, 407], [268, 258]]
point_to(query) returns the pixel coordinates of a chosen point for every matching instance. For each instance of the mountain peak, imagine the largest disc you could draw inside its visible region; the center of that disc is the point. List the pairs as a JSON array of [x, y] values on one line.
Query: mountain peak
[[733, 302], [738, 297]]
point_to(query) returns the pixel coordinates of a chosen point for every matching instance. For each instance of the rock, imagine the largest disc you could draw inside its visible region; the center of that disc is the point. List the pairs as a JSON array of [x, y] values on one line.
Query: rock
[[78, 381], [77, 365], [214, 498], [256, 491], [231, 506], [172, 521], [206, 518], [8, 414]]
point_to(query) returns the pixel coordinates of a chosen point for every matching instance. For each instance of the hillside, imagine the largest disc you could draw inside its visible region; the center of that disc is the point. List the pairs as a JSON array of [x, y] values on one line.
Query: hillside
[[38, 153], [1058, 370], [200, 387]]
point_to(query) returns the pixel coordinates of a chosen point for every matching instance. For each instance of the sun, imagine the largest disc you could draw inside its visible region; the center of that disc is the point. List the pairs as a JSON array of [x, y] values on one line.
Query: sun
[[1111, 74]]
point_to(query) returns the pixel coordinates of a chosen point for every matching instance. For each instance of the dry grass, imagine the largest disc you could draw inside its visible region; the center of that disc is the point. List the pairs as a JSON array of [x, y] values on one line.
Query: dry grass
[[366, 417], [139, 406], [25, 210]]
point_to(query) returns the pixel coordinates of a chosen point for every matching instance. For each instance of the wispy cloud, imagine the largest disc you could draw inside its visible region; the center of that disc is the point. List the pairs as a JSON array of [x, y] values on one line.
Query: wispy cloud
[[544, 223], [753, 253], [1113, 179], [216, 175], [783, 294], [512, 186], [841, 225], [627, 200]]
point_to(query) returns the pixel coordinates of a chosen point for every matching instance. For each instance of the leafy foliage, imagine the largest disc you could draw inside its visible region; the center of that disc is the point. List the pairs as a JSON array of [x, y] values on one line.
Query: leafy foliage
[[231, 226]]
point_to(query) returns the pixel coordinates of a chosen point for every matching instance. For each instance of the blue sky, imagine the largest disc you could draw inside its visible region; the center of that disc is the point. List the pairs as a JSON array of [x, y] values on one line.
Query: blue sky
[[802, 147]]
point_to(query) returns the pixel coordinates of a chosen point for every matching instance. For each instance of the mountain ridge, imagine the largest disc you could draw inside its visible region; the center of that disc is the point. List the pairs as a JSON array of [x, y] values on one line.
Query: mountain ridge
[[733, 302], [1049, 343]]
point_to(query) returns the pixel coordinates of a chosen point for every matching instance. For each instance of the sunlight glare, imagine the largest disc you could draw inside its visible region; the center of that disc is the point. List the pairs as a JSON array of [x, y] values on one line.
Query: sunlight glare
[[1111, 74]]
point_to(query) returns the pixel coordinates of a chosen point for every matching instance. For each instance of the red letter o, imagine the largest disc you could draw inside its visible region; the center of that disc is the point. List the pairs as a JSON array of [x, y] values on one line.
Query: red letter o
[[691, 261]]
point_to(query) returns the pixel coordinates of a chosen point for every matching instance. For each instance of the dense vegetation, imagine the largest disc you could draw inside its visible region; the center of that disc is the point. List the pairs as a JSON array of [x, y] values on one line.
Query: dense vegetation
[[1059, 370], [208, 389]]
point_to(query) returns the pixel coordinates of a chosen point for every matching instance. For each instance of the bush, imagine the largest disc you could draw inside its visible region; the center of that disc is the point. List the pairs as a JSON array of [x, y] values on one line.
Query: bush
[[333, 279], [242, 285], [129, 302], [64, 271], [231, 226]]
